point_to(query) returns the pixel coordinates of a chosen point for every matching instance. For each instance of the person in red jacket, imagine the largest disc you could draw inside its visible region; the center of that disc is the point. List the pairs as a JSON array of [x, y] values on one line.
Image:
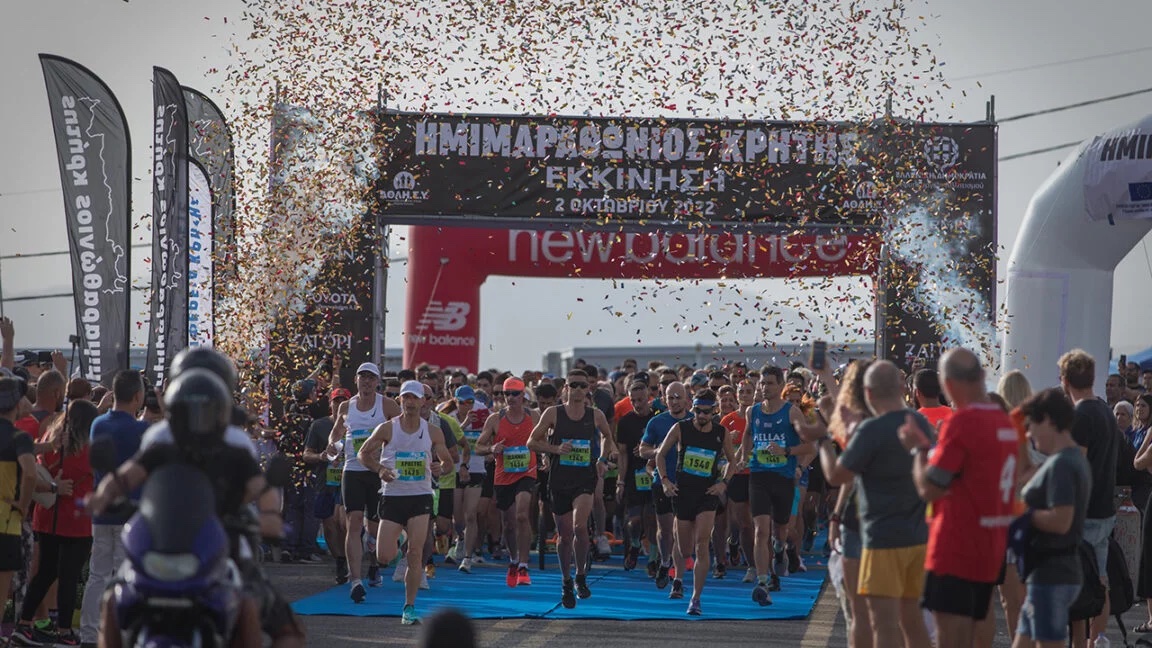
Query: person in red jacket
[[65, 529]]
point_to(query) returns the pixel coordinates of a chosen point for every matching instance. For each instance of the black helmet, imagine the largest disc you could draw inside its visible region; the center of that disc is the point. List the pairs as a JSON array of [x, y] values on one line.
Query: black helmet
[[205, 358], [199, 407]]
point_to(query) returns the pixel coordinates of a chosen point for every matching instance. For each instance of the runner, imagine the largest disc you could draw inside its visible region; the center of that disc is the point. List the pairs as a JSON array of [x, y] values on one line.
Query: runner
[[768, 447], [329, 509], [676, 396], [400, 452], [634, 487], [698, 443], [506, 436], [359, 486], [739, 516], [566, 432], [971, 501], [470, 481]]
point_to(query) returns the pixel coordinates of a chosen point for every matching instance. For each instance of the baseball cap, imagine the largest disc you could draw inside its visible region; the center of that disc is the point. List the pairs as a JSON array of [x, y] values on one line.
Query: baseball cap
[[370, 367], [464, 392], [699, 379], [413, 387], [340, 393], [514, 384], [616, 375], [303, 389]]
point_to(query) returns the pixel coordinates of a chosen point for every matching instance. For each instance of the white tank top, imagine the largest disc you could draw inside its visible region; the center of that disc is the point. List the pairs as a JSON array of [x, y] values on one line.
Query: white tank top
[[410, 457], [359, 426]]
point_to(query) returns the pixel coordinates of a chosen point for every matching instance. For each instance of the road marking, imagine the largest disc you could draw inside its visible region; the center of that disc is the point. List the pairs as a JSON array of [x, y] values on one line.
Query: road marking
[[543, 637], [822, 621]]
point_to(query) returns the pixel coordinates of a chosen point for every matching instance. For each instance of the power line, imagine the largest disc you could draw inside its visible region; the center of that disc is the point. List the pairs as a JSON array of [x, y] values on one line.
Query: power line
[[1039, 66], [1049, 149], [1079, 104]]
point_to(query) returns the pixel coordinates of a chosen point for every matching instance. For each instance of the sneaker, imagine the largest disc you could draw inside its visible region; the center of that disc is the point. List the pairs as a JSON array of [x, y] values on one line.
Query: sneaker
[[760, 595], [653, 568], [568, 598], [424, 582], [358, 594], [774, 583], [465, 566], [800, 566], [69, 638], [374, 579], [522, 577], [631, 557], [750, 576], [342, 571], [477, 558], [779, 563], [677, 589], [582, 586], [694, 608], [603, 546], [793, 559], [24, 635], [286, 557], [46, 634], [401, 571], [408, 616], [449, 560], [457, 552], [513, 576], [662, 577], [430, 570]]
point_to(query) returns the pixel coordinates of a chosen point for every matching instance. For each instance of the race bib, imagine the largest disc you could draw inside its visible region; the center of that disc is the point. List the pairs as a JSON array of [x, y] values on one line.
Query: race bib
[[473, 436], [410, 466], [643, 480], [581, 454], [332, 476], [358, 438], [516, 459], [698, 461], [766, 458]]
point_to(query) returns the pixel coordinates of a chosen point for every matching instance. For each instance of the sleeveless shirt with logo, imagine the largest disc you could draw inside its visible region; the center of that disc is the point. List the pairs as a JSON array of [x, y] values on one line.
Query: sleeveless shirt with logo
[[772, 428], [517, 461], [576, 468], [698, 457], [409, 455], [359, 426]]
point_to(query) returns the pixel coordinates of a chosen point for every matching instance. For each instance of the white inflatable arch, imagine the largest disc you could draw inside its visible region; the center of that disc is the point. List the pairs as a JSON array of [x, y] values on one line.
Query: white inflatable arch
[[1084, 219]]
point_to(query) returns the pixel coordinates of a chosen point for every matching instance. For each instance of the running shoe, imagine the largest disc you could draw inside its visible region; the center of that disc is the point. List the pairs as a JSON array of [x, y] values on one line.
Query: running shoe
[[46, 634], [793, 559], [513, 576], [582, 586], [800, 566], [568, 598], [652, 568], [477, 558], [602, 545], [466, 566], [760, 595], [24, 635], [69, 638], [374, 579], [750, 576], [662, 577], [677, 589], [408, 617], [720, 571], [358, 594], [401, 571], [430, 569], [774, 583], [522, 577], [342, 571], [631, 557], [694, 607]]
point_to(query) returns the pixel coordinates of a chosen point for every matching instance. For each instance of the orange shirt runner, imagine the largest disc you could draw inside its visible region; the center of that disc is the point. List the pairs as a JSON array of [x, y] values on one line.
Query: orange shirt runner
[[517, 461]]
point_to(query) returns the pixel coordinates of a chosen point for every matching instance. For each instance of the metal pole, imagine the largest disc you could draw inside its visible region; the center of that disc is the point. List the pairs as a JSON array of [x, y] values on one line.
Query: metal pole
[[380, 295], [881, 284]]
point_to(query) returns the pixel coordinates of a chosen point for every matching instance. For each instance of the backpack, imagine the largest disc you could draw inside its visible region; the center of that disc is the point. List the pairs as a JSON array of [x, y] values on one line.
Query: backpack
[[1090, 602], [1121, 593]]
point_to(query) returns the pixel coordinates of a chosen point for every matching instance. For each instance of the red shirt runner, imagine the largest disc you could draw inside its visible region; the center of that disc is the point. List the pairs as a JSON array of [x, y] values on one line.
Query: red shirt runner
[[969, 529], [517, 461]]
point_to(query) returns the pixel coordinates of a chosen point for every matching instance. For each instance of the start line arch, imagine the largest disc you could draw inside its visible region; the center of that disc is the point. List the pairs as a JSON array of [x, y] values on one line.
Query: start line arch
[[627, 198]]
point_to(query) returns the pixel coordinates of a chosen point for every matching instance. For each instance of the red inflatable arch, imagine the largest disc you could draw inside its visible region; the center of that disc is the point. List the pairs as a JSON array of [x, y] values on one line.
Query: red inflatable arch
[[447, 266]]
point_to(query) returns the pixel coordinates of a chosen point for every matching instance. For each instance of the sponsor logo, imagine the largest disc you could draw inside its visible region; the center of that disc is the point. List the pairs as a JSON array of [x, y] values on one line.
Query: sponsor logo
[[866, 198], [405, 191], [1132, 146], [445, 317], [334, 301], [941, 152], [445, 340], [1139, 191]]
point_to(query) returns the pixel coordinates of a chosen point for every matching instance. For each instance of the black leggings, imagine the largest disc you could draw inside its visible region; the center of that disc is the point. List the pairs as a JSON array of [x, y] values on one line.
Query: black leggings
[[61, 558]]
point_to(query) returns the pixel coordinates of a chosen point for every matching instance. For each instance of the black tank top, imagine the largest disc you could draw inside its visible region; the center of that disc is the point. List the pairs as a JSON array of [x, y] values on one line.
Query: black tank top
[[698, 456], [577, 467]]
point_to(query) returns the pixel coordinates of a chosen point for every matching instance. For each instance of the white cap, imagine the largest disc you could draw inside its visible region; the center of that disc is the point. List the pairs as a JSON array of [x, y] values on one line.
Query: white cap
[[370, 367], [414, 387]]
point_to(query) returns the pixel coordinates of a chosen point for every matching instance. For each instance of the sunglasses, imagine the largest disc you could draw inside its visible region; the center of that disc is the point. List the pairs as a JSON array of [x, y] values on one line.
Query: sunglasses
[[702, 411], [578, 385], [513, 394], [467, 401], [497, 393], [391, 394]]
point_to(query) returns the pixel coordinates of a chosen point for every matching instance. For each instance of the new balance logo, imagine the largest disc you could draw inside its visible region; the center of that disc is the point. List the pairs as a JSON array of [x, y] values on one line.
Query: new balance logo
[[445, 317]]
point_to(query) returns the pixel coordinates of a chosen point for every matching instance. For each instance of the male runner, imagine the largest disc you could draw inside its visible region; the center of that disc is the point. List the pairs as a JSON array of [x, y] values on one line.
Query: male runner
[[698, 444], [634, 487], [566, 432], [359, 486], [739, 516], [400, 452], [506, 436], [769, 447], [676, 397]]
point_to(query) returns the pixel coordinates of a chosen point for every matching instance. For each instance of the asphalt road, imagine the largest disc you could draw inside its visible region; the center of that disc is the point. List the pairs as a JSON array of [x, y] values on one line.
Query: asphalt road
[[825, 626]]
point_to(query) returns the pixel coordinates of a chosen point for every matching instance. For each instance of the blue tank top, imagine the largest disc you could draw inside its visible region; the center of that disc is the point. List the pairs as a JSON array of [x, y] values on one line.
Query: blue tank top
[[768, 428]]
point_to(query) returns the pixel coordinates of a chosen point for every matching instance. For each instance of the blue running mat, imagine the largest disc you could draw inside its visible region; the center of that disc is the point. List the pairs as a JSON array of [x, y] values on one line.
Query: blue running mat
[[616, 594]]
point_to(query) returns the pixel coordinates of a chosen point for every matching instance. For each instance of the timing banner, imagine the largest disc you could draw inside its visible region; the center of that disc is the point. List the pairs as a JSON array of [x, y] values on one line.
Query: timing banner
[[438, 168]]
